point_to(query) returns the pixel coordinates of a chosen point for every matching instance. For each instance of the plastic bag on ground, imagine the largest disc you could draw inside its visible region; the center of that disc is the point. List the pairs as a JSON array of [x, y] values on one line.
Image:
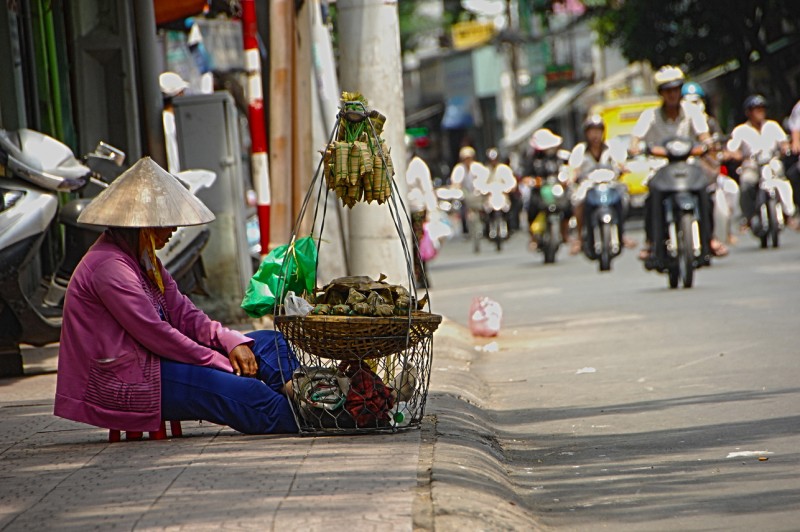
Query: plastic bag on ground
[[485, 316]]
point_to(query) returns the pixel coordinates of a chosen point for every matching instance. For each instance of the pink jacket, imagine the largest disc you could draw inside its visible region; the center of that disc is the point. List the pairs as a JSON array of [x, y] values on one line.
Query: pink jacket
[[113, 334]]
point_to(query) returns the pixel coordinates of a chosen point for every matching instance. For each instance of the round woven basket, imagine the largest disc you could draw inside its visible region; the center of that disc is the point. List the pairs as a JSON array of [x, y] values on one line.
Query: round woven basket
[[356, 337]]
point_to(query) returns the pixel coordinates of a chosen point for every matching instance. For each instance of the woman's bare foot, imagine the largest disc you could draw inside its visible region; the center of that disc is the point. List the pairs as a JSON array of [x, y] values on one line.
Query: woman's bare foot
[[288, 389]]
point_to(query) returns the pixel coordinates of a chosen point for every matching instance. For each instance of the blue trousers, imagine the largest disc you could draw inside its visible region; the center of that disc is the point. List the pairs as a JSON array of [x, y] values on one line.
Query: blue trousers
[[249, 405]]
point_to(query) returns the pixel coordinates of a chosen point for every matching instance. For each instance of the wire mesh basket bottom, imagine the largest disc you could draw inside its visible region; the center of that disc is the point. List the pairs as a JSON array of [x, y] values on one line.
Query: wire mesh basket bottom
[[382, 394], [356, 337]]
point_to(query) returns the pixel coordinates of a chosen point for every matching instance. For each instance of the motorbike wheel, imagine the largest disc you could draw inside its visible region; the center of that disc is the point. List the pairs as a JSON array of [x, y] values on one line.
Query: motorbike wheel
[[686, 250], [553, 235], [674, 277], [475, 230], [763, 224], [772, 212], [494, 229], [605, 250]]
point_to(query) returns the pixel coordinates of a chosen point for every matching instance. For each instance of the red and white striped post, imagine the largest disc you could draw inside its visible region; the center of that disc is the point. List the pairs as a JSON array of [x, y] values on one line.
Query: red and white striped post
[[258, 131]]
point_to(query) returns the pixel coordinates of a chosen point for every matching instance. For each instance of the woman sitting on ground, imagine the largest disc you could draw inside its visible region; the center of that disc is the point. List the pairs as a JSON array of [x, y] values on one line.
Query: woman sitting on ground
[[135, 351]]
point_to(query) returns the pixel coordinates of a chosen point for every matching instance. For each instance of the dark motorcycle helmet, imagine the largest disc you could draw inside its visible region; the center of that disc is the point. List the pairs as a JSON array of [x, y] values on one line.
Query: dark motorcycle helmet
[[753, 101]]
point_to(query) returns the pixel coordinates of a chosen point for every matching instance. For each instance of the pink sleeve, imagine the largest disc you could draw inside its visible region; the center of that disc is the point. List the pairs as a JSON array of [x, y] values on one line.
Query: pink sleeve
[[195, 324], [119, 287]]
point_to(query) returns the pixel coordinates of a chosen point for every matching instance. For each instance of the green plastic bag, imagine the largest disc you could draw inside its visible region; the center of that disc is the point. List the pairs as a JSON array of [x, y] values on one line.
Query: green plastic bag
[[266, 285]]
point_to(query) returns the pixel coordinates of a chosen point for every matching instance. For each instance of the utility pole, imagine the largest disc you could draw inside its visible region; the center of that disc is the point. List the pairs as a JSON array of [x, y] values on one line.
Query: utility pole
[[370, 63], [281, 81], [153, 105], [304, 152]]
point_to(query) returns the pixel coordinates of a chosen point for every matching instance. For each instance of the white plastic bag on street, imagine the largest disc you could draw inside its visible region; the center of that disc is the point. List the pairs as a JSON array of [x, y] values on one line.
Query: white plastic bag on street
[[296, 305], [485, 316]]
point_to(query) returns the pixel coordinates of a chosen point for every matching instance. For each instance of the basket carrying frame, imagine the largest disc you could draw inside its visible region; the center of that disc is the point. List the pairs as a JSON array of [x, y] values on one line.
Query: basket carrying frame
[[353, 367]]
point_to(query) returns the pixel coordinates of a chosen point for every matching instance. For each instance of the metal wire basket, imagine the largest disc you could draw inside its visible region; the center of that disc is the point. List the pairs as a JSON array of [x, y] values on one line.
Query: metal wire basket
[[356, 337], [360, 374]]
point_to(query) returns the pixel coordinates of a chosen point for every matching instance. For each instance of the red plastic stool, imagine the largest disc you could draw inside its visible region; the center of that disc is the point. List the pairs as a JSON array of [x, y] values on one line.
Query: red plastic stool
[[115, 436]]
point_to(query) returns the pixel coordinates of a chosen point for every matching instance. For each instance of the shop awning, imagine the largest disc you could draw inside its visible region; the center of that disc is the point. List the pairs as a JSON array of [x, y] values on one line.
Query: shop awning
[[545, 112], [621, 77]]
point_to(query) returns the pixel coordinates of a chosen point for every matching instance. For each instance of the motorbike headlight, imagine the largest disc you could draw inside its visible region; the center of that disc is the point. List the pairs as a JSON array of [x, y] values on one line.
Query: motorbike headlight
[[678, 148], [8, 198], [558, 191]]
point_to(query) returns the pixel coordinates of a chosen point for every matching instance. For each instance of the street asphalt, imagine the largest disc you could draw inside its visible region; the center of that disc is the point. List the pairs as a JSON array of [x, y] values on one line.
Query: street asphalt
[[619, 404], [607, 402]]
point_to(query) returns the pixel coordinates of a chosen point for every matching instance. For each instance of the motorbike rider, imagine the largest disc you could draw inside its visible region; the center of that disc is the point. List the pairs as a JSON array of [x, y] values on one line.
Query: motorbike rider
[[585, 156], [655, 126], [724, 189], [793, 162], [758, 134], [499, 179], [542, 163], [463, 176]]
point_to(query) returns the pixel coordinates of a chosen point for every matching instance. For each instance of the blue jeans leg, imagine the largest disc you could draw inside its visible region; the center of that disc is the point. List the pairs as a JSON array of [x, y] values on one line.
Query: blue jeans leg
[[245, 404], [276, 361]]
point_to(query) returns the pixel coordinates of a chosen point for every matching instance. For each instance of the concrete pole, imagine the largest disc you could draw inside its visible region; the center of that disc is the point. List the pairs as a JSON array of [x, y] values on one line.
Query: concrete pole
[[281, 41], [370, 63], [305, 155], [152, 101]]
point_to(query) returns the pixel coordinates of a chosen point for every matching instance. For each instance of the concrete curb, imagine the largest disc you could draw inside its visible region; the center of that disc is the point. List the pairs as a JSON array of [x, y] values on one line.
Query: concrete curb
[[467, 478]]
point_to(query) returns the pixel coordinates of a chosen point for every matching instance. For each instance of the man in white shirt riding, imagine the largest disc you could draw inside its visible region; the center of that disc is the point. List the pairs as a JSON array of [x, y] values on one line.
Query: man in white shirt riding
[[758, 135], [674, 118]]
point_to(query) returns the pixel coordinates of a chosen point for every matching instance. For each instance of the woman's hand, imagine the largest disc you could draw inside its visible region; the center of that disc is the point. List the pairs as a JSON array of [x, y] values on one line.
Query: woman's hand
[[243, 361]]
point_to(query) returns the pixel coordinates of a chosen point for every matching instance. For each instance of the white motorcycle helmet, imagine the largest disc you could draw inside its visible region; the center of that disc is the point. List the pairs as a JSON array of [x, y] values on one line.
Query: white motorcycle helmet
[[668, 77]]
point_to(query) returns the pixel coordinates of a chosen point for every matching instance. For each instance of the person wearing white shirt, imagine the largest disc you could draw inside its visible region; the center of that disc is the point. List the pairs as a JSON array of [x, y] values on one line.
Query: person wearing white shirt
[[758, 135], [584, 158], [172, 86], [421, 203], [463, 176], [793, 172], [655, 126], [498, 182]]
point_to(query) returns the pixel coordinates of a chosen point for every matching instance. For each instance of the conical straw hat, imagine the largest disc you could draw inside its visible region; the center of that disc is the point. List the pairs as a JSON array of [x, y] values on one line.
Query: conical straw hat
[[146, 195]]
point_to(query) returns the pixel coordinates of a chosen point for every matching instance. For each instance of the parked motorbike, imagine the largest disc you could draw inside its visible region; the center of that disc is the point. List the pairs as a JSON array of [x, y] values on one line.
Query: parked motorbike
[[552, 199], [35, 267], [602, 236], [678, 212], [768, 221]]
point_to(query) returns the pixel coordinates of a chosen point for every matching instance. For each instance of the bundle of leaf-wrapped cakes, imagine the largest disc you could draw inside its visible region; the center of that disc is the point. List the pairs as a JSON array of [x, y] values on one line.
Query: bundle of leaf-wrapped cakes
[[357, 165]]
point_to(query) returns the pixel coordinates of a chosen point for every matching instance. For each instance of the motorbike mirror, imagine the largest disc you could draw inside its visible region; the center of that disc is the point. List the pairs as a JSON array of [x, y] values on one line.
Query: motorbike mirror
[[601, 175], [107, 151]]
